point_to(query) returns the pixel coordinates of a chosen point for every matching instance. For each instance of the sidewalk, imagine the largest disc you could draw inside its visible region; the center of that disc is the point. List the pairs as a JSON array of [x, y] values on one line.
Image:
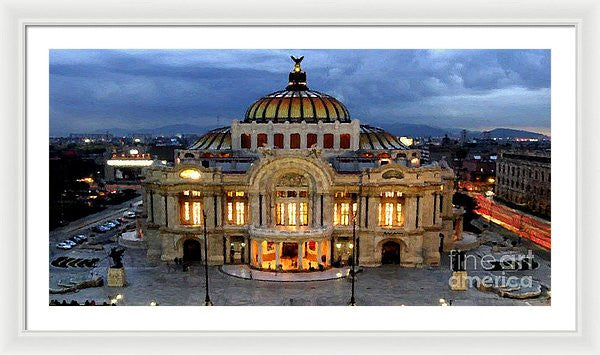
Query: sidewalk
[[245, 272]]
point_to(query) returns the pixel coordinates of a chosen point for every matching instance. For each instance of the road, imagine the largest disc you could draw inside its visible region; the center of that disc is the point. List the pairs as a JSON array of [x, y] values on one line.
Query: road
[[84, 225]]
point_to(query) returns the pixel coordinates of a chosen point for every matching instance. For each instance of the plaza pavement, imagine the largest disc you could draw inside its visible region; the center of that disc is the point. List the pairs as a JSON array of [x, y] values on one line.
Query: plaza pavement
[[389, 285]]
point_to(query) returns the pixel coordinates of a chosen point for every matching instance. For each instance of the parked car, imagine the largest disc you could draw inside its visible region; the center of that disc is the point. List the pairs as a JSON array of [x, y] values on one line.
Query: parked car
[[100, 229], [80, 238], [83, 237], [115, 221], [70, 242], [129, 214], [63, 246], [109, 225]]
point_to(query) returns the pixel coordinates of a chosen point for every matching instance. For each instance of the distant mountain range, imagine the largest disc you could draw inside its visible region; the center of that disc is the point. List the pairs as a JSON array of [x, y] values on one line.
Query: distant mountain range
[[399, 129], [168, 130], [421, 130]]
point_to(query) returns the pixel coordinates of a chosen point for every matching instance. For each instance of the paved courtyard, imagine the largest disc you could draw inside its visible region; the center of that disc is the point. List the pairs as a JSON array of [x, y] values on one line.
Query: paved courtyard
[[388, 285]]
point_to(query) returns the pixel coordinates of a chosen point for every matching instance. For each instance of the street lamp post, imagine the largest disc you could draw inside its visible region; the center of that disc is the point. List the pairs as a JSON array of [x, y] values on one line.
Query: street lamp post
[[353, 274], [207, 301]]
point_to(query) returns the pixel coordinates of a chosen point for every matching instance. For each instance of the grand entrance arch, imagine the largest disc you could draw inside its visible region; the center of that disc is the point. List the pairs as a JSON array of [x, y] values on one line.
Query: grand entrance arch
[[191, 250], [390, 253]]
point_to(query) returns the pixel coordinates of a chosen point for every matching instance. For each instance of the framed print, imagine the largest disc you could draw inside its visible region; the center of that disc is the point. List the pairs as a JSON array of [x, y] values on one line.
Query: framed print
[[250, 179]]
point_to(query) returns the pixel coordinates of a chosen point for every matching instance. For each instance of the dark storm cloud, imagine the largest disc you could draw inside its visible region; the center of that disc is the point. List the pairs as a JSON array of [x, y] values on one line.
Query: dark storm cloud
[[95, 89]]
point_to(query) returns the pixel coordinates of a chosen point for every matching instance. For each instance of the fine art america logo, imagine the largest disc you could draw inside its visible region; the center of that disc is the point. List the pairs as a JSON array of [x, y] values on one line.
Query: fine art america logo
[[488, 262]]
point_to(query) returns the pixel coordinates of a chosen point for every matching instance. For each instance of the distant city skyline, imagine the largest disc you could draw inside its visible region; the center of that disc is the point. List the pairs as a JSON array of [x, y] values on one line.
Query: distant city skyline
[[93, 90]]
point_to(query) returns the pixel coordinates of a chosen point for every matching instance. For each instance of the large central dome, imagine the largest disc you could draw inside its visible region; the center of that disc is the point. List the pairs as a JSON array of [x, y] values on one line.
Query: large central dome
[[297, 103]]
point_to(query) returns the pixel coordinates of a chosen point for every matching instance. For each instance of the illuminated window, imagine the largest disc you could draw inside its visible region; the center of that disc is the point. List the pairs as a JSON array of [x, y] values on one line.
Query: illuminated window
[[345, 211], [280, 211], [390, 209], [190, 204], [389, 214], [303, 214], [291, 214], [239, 213], [336, 217], [230, 211], [341, 208], [236, 207]]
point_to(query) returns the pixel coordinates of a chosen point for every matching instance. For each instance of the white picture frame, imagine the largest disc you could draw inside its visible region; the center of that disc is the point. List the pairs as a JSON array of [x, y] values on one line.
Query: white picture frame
[[16, 17]]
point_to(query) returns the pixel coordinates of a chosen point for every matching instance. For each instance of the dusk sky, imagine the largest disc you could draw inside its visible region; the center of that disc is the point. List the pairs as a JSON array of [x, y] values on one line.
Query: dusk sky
[[93, 90]]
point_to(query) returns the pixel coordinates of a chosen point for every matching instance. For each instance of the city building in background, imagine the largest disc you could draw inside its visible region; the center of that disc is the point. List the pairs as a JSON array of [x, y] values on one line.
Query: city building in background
[[523, 179]]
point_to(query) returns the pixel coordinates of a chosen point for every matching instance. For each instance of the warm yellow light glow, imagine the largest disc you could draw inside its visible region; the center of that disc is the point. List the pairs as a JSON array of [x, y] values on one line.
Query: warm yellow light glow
[[303, 214], [239, 193], [399, 213], [87, 140], [186, 211], [280, 213], [153, 303], [336, 218], [119, 297], [338, 245], [415, 161], [491, 180], [345, 211], [137, 140], [389, 214], [291, 214], [196, 213], [351, 246], [406, 141], [113, 301], [239, 213], [134, 151], [191, 174], [230, 211], [88, 180]]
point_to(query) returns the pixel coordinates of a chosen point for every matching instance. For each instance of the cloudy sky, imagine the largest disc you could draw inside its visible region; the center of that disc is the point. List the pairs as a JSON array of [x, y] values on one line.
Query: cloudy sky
[[91, 90]]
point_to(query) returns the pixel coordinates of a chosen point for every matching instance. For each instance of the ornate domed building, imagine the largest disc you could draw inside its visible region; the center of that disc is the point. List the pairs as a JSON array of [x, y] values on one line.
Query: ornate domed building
[[281, 189]]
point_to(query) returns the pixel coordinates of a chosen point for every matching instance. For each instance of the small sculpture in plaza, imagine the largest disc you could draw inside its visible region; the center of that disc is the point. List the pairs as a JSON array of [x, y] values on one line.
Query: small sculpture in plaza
[[117, 256]]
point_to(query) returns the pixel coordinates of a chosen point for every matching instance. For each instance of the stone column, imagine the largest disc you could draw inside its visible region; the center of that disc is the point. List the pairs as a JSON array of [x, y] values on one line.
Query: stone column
[[227, 249], [362, 211], [319, 253], [300, 254], [173, 210], [260, 251], [410, 212], [286, 140], [373, 211], [253, 209], [208, 207], [277, 254], [327, 209]]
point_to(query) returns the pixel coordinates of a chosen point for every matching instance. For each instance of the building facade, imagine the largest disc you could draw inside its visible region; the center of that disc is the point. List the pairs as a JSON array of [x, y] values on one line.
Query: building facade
[[524, 178], [281, 189]]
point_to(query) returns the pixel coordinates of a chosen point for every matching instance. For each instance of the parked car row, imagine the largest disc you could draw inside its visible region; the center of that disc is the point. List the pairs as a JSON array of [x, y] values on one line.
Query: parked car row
[[71, 242]]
